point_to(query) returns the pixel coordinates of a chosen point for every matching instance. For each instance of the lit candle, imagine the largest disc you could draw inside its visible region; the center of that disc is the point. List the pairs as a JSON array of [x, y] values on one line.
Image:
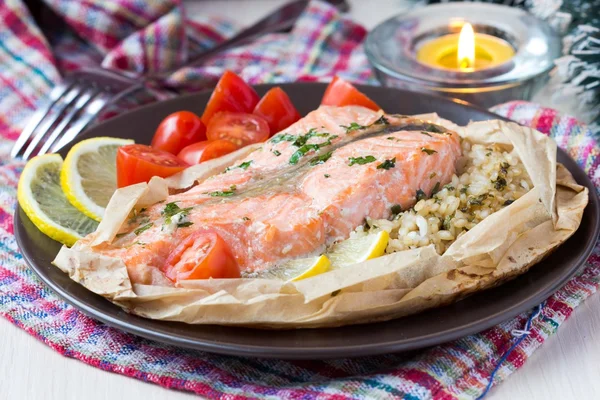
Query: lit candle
[[467, 51]]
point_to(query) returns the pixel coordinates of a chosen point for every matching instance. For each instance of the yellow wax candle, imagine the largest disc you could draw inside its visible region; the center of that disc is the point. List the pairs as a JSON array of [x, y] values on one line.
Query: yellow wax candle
[[467, 51]]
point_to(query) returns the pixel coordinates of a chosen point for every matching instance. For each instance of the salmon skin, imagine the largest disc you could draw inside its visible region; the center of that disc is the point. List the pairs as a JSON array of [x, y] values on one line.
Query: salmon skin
[[303, 190]]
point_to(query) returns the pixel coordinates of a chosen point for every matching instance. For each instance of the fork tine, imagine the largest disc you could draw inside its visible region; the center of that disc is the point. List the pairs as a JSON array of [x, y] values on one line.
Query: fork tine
[[88, 114], [55, 94], [55, 113], [60, 129]]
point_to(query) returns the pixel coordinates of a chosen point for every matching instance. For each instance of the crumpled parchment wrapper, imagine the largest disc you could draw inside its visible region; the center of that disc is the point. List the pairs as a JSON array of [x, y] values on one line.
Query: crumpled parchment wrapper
[[503, 245]]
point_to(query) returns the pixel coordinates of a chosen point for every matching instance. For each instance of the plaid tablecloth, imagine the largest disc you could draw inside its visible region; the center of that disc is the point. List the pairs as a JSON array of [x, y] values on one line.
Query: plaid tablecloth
[[155, 35]]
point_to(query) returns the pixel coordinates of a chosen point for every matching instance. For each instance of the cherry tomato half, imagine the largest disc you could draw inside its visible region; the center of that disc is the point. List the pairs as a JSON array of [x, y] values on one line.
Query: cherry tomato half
[[178, 130], [206, 150], [230, 94], [239, 128], [342, 93], [201, 255], [277, 109], [138, 163]]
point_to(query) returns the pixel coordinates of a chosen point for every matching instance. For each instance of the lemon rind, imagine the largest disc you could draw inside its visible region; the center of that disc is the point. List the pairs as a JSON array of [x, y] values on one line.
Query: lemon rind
[[70, 182]]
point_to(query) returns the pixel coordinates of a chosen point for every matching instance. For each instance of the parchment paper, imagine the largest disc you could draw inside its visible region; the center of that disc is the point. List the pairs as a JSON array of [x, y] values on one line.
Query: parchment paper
[[503, 245]]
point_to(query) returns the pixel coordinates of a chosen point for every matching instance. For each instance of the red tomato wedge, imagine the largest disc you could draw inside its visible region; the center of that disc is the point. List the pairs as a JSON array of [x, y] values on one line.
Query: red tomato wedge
[[239, 128], [230, 94], [177, 131], [202, 255], [206, 150], [138, 163], [277, 109], [341, 93]]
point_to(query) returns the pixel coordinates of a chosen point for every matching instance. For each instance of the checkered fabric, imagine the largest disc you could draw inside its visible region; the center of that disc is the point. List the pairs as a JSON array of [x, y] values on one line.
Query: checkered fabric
[[149, 36]]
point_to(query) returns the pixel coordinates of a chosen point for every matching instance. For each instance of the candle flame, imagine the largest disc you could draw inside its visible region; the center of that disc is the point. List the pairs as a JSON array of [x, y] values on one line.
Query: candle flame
[[466, 47]]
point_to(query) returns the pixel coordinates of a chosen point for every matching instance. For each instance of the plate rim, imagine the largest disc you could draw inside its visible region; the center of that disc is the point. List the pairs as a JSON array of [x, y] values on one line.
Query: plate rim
[[340, 350]]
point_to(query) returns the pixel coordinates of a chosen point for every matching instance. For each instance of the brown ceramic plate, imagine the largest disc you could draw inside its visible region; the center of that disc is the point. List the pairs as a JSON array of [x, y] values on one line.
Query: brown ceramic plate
[[471, 315]]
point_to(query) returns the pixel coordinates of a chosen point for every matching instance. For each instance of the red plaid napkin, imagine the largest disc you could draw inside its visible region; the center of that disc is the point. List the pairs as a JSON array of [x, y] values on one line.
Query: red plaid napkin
[[149, 36]]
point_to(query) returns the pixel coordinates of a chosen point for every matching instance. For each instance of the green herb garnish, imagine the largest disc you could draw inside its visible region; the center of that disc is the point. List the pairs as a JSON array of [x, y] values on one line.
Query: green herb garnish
[[432, 175], [446, 224], [223, 193], [396, 209], [277, 153], [425, 133], [308, 147], [361, 160], [353, 127], [285, 137], [381, 121], [243, 165], [499, 183], [508, 202], [421, 195], [246, 218], [184, 224], [321, 159], [387, 164], [436, 188], [477, 200], [428, 151], [143, 228], [120, 235], [449, 187], [464, 189], [326, 175]]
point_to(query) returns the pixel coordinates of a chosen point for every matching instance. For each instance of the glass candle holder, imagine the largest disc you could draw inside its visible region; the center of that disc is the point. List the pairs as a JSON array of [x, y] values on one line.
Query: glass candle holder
[[416, 51]]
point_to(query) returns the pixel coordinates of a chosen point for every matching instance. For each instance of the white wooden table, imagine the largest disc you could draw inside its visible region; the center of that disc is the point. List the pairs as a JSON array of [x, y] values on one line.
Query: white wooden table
[[566, 367]]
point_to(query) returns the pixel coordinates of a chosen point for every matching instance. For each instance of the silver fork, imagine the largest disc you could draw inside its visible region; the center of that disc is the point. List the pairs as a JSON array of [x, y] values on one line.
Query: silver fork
[[70, 107], [75, 102]]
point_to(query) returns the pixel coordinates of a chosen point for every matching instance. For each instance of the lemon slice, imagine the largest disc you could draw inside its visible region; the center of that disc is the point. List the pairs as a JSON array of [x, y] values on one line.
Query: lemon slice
[[44, 202], [89, 174], [358, 249], [298, 269]]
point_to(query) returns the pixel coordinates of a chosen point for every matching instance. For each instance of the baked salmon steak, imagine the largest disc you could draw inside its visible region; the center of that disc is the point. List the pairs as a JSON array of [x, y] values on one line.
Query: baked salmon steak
[[305, 189]]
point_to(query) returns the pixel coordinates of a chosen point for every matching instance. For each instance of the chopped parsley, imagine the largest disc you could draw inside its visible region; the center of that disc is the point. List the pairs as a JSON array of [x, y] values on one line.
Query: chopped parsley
[[305, 148], [143, 228], [428, 151], [352, 127], [477, 200], [246, 218], [361, 160], [421, 195], [171, 210], [223, 193], [321, 159], [434, 128], [436, 188], [326, 175], [396, 209], [508, 202], [243, 165], [277, 153], [464, 189], [432, 175], [449, 187], [387, 164], [446, 224], [425, 133], [381, 121], [499, 183], [120, 235], [285, 137], [302, 139]]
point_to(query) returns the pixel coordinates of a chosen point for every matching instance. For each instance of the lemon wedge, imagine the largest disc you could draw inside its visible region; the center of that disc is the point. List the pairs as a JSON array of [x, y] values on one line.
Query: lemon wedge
[[358, 249], [44, 202], [89, 174], [297, 269]]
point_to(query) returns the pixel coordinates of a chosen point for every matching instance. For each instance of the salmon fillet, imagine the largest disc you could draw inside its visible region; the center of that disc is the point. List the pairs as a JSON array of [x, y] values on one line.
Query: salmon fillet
[[306, 188]]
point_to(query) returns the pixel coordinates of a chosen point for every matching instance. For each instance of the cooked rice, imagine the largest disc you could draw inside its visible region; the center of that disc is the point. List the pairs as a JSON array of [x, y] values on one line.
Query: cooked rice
[[491, 179]]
